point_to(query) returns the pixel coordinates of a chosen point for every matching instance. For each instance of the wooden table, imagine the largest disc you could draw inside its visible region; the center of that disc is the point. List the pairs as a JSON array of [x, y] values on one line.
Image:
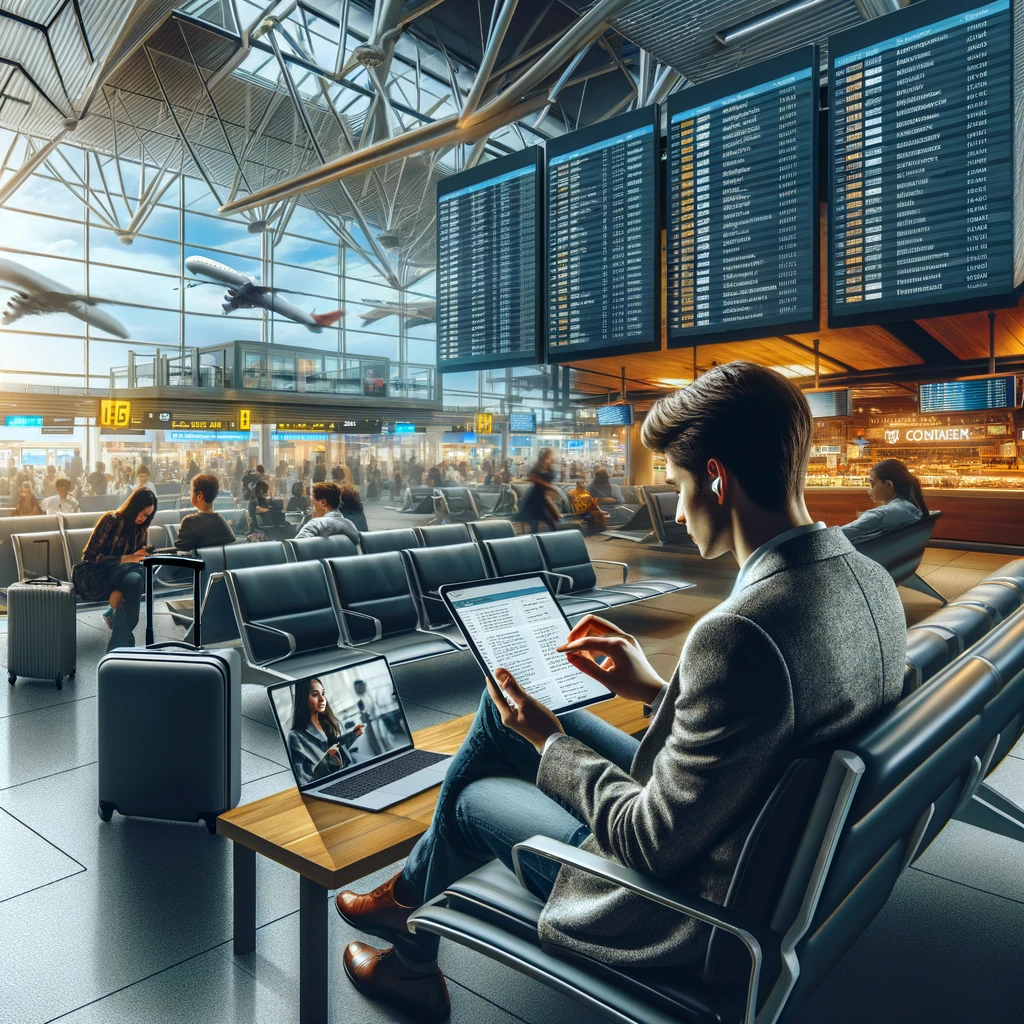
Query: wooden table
[[329, 846]]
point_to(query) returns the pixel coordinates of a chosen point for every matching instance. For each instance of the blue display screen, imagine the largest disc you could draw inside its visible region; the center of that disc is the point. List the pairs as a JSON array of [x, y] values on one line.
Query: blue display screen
[[23, 421], [522, 422], [403, 428], [615, 415], [968, 395]]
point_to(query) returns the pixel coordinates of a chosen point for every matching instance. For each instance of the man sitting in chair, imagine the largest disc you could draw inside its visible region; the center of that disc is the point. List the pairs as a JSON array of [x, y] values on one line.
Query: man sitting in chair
[[809, 645]]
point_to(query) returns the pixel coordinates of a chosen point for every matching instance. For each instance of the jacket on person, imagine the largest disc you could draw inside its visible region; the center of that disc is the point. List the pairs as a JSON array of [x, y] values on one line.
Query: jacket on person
[[111, 538], [808, 647], [328, 525], [202, 530], [896, 512]]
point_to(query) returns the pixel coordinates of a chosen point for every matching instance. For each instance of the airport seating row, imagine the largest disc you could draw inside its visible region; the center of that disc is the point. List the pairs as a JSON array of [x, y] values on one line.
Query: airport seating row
[[66, 535], [831, 841], [385, 600]]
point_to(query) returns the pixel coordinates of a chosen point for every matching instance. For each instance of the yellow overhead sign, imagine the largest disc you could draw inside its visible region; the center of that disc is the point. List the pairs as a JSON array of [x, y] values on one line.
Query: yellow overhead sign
[[484, 423], [115, 413], [244, 419]]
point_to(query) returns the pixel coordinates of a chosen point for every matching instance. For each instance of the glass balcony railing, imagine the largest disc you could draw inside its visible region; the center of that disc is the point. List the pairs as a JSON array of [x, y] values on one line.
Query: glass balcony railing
[[367, 378]]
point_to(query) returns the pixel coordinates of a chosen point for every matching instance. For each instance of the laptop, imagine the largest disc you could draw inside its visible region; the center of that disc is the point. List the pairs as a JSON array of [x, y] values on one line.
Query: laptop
[[348, 740]]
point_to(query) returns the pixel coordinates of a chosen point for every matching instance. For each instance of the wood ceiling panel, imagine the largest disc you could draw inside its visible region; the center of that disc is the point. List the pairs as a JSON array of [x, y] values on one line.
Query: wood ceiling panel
[[966, 335]]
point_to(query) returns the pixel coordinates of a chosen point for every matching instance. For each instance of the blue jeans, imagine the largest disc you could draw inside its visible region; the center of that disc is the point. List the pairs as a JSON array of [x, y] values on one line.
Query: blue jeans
[[129, 578], [489, 802]]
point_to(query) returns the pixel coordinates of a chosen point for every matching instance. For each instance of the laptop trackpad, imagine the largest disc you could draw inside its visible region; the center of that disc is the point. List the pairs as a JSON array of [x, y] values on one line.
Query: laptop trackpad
[[418, 781]]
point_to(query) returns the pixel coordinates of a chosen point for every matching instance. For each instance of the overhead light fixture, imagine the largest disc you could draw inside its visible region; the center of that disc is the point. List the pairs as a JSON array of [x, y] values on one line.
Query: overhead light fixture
[[369, 55], [760, 22]]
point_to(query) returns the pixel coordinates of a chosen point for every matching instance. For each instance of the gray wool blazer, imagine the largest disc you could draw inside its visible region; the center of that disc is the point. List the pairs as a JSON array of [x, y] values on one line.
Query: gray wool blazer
[[810, 645]]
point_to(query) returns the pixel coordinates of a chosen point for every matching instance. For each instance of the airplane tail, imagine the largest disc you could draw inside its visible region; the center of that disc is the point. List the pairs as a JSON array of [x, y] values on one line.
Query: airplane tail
[[328, 319]]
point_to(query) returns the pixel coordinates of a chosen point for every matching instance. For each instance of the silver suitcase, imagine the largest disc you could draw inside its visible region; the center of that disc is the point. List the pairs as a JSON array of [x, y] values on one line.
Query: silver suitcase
[[41, 629]]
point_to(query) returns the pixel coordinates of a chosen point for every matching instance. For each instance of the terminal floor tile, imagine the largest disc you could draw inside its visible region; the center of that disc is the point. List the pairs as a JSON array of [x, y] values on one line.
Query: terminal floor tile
[[130, 921]]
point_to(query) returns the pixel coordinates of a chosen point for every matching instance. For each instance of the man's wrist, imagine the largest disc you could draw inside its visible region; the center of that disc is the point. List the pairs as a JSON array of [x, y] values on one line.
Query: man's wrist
[[550, 741]]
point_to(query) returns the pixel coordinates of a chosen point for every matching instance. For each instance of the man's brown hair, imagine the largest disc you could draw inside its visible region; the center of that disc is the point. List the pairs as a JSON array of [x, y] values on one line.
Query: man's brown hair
[[755, 421], [329, 492], [208, 486]]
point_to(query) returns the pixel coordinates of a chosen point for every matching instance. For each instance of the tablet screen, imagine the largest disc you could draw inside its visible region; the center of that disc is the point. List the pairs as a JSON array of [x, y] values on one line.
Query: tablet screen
[[516, 624]]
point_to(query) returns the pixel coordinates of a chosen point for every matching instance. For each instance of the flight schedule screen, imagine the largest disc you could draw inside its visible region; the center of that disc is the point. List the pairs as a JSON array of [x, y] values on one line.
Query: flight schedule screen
[[603, 239], [921, 152], [742, 238], [488, 265]]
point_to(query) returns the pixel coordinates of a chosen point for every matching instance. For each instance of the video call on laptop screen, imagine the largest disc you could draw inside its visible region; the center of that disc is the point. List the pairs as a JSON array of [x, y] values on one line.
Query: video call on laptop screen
[[340, 720]]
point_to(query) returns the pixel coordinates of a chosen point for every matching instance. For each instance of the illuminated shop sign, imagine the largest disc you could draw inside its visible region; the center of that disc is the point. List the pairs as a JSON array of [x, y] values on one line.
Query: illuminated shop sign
[[202, 424], [929, 435], [226, 436]]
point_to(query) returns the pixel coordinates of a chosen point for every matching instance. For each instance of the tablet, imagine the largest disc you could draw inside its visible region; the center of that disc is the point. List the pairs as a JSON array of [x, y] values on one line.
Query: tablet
[[516, 623]]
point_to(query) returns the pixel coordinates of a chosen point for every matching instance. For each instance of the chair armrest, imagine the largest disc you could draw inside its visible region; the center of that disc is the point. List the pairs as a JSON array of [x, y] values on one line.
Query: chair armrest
[[656, 891], [378, 626], [621, 565], [561, 577], [277, 632], [436, 633]]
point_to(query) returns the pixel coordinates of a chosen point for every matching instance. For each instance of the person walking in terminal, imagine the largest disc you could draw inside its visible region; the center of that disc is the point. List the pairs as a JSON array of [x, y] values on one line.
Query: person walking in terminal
[[203, 528], [900, 501], [110, 568], [539, 501], [327, 520], [28, 503], [809, 645]]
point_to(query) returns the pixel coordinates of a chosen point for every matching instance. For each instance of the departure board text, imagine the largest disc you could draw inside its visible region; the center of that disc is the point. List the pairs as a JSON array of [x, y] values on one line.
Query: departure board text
[[488, 302], [742, 202], [921, 163], [602, 216]]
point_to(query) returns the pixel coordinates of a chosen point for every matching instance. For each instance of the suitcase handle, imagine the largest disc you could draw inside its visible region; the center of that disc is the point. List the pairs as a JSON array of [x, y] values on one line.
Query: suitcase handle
[[151, 562], [47, 579]]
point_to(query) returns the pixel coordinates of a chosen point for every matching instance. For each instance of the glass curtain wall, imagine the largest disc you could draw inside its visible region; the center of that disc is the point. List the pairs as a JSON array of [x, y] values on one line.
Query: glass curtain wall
[[46, 227]]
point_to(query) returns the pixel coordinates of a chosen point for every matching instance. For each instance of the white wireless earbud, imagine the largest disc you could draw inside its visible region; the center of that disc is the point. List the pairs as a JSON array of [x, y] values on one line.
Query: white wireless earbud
[[716, 487]]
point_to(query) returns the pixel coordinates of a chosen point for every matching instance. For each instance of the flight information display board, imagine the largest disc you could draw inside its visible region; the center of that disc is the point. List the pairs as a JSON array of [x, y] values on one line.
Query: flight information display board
[[967, 395], [489, 302], [603, 237], [830, 403], [742, 238], [921, 163]]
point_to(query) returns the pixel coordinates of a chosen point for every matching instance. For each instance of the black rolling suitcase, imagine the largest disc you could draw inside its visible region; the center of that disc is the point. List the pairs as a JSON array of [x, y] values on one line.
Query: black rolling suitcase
[[42, 636], [170, 724]]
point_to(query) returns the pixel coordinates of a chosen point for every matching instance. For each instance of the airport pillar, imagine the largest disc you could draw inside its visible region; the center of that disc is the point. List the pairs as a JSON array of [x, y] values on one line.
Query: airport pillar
[[639, 460]]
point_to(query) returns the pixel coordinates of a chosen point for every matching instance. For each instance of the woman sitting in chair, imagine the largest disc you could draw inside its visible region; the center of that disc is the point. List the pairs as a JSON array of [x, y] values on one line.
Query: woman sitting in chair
[[899, 502], [110, 566]]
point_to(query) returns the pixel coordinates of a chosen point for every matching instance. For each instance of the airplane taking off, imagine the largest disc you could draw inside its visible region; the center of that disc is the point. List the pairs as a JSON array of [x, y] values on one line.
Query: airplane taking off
[[417, 313], [244, 293], [35, 294]]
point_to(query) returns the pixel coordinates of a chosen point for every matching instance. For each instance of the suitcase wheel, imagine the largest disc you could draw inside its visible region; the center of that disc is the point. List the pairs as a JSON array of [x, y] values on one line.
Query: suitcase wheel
[[11, 678], [106, 810], [60, 681], [71, 674]]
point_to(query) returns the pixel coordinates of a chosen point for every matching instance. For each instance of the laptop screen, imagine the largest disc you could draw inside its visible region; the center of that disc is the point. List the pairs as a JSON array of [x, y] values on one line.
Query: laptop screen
[[339, 720]]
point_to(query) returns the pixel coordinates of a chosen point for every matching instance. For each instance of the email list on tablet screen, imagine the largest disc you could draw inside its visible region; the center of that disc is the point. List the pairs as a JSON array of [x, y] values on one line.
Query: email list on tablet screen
[[517, 624]]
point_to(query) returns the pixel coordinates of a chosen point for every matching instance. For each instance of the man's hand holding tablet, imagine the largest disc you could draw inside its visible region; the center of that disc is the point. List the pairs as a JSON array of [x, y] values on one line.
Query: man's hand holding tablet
[[520, 712], [623, 668]]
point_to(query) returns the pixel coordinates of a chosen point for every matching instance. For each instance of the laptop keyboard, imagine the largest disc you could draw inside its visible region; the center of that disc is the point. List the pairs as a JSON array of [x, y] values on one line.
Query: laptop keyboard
[[390, 771]]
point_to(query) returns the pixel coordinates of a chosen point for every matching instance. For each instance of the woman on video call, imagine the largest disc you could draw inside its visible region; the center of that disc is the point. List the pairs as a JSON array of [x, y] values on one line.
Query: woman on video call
[[313, 740]]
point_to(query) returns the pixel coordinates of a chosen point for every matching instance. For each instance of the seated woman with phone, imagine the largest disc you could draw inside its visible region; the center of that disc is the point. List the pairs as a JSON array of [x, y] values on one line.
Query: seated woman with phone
[[315, 738], [110, 564]]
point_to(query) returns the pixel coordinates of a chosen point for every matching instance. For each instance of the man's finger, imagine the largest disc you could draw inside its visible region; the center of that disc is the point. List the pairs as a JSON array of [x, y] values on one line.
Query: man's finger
[[588, 667], [498, 697], [600, 644], [510, 685]]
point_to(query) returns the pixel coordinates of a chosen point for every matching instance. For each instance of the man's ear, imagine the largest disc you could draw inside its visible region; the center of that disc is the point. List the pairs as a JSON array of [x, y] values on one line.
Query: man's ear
[[719, 480]]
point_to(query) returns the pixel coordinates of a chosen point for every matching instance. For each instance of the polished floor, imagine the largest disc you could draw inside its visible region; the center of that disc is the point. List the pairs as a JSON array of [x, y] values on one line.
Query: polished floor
[[130, 921]]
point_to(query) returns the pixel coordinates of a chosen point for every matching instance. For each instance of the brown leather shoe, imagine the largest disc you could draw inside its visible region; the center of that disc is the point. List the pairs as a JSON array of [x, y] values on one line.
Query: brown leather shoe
[[376, 913], [380, 975]]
